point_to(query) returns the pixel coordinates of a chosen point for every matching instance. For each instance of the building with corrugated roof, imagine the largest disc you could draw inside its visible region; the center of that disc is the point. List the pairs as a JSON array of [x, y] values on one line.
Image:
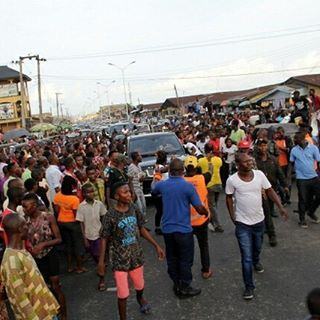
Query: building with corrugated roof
[[10, 99]]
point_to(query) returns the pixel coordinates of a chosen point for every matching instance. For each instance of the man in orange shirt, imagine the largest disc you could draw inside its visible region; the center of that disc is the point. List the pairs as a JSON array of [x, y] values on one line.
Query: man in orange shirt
[[284, 145], [199, 223]]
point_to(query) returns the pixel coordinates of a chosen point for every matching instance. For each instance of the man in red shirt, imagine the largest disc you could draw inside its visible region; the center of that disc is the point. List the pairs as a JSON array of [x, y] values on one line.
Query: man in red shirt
[[315, 101]]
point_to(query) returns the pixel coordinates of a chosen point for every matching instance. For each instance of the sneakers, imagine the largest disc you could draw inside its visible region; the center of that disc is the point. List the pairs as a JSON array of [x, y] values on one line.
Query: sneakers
[[213, 228], [248, 294], [303, 224], [314, 218], [273, 241], [218, 229], [258, 268]]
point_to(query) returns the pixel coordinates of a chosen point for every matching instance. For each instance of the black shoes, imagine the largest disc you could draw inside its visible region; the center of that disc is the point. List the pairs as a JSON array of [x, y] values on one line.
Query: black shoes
[[186, 292], [158, 231], [248, 294], [273, 241], [259, 268]]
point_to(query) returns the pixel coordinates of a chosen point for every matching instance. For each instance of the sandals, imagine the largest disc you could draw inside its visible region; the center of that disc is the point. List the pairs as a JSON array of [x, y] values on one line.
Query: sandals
[[207, 275], [102, 287], [145, 308], [80, 271]]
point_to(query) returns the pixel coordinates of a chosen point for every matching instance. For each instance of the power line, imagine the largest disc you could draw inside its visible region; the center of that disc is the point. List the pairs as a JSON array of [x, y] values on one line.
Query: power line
[[208, 43], [57, 77]]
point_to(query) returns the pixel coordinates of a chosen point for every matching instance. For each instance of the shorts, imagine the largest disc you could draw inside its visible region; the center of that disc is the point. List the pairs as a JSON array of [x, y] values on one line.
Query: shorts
[[216, 188], [122, 283], [94, 249], [49, 265], [72, 238]]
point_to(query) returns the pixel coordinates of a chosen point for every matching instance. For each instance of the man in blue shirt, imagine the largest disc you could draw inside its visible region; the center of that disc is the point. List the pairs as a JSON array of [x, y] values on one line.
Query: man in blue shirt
[[177, 196], [304, 156]]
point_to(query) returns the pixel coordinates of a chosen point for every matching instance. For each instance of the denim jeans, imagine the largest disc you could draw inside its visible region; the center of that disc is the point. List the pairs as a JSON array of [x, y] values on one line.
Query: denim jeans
[[179, 251], [250, 238]]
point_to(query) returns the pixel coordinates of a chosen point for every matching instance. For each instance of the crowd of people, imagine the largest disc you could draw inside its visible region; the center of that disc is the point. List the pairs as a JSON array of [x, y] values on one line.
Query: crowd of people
[[84, 196]]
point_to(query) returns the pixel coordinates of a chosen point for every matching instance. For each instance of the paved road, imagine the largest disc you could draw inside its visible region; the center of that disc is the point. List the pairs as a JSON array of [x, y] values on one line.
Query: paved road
[[291, 270]]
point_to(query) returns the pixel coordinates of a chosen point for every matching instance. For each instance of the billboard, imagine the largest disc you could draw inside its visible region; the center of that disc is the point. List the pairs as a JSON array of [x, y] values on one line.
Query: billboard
[[6, 111], [8, 90]]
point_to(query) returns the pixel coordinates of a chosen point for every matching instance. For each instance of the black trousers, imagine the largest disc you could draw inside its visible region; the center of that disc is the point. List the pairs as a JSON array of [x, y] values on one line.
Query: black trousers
[[268, 205], [180, 252], [201, 232], [309, 196], [159, 207]]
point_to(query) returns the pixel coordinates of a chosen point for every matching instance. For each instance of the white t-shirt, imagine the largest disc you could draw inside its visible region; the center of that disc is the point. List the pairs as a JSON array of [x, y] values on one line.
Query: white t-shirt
[[231, 153], [201, 145], [90, 215], [190, 146], [248, 197]]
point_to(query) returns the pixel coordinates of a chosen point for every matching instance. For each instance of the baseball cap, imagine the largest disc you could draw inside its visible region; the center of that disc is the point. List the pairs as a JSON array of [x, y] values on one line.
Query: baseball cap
[[244, 144], [191, 161]]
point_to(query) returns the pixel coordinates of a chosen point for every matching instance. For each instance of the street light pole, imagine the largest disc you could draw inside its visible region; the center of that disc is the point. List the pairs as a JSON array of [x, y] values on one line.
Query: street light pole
[[57, 103], [122, 69], [107, 94]]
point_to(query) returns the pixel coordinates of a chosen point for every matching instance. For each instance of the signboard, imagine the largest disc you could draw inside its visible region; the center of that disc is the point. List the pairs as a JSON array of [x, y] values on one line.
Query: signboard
[[8, 90], [6, 111]]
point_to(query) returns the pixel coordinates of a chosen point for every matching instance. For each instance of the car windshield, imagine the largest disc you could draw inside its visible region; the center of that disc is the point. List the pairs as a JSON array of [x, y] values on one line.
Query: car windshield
[[118, 127], [149, 145]]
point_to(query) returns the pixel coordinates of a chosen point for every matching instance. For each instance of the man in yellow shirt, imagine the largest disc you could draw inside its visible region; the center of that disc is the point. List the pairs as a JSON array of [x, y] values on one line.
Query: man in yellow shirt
[[212, 163]]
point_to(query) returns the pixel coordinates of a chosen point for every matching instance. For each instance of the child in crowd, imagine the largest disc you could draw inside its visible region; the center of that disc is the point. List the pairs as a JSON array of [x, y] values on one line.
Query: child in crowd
[[28, 293], [122, 228], [89, 214]]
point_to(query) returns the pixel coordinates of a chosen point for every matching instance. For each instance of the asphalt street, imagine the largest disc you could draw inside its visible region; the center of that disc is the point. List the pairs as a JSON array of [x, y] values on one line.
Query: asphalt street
[[292, 269]]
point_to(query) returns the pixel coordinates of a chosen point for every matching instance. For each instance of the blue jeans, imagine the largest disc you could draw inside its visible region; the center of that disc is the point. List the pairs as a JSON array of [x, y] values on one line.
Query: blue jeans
[[179, 252], [250, 240]]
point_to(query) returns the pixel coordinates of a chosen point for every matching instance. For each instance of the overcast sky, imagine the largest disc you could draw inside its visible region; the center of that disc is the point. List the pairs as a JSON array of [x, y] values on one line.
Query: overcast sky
[[219, 39]]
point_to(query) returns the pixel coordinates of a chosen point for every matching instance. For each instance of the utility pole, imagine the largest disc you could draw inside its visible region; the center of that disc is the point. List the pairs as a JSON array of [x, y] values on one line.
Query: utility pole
[[39, 87], [57, 103], [23, 115], [22, 92]]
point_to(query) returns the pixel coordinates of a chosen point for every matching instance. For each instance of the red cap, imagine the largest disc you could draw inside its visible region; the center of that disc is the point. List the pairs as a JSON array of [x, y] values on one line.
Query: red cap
[[243, 144]]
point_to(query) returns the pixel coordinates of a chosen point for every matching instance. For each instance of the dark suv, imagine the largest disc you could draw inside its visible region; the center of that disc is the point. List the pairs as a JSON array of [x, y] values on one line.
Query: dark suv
[[147, 145]]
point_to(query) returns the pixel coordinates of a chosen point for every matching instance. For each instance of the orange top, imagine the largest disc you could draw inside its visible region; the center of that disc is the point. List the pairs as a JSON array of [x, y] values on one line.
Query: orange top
[[199, 183], [66, 206], [283, 157]]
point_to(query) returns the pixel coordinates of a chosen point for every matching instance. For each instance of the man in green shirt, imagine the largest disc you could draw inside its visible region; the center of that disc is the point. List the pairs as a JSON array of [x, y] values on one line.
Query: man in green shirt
[[236, 134]]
